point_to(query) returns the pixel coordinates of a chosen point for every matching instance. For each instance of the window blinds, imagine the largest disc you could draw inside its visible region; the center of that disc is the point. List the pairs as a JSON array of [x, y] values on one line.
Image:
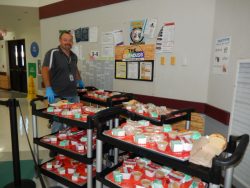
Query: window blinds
[[240, 117]]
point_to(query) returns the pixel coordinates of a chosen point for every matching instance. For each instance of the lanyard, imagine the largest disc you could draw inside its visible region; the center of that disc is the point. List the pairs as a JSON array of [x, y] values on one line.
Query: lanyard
[[69, 63], [71, 77]]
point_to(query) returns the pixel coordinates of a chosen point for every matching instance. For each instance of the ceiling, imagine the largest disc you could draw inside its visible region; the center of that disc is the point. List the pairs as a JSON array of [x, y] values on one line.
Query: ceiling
[[20, 13]]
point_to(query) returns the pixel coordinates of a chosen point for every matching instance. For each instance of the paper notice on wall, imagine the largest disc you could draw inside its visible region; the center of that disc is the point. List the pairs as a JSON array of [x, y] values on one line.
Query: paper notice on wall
[[165, 39], [168, 37], [150, 27], [158, 45], [118, 37], [221, 55], [93, 34], [107, 50], [146, 70], [107, 38], [120, 69], [94, 54], [133, 70], [77, 49]]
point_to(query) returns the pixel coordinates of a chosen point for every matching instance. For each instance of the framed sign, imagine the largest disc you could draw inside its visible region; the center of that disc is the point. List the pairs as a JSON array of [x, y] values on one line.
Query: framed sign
[[146, 70], [120, 70], [135, 62], [134, 70], [32, 69]]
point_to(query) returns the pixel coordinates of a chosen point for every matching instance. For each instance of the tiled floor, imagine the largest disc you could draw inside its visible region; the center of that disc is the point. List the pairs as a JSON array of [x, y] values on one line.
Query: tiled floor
[[13, 94], [211, 126]]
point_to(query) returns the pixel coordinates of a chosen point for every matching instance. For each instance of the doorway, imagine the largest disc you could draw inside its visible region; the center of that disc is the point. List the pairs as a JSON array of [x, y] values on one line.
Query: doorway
[[17, 65]]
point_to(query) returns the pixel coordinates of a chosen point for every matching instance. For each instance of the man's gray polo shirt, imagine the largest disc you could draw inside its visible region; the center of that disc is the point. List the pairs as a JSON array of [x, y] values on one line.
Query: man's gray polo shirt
[[61, 67]]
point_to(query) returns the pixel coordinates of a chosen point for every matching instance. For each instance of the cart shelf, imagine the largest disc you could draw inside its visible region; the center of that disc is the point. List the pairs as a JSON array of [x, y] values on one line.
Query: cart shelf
[[172, 117], [63, 179], [108, 102], [86, 158], [235, 148]]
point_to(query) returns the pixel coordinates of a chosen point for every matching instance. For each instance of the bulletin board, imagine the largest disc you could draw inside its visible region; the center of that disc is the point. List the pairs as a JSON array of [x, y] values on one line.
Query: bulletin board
[[98, 73], [135, 62]]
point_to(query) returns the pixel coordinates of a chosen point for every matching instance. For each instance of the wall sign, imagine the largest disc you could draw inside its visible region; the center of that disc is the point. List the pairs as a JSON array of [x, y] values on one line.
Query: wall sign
[[34, 49], [137, 31], [32, 69], [221, 55], [134, 62]]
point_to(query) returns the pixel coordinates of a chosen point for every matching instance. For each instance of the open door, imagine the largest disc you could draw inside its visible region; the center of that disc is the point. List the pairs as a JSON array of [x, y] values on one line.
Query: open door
[[17, 65]]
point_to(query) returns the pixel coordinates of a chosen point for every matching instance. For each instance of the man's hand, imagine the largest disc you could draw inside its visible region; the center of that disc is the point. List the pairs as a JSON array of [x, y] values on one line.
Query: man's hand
[[50, 94], [80, 83]]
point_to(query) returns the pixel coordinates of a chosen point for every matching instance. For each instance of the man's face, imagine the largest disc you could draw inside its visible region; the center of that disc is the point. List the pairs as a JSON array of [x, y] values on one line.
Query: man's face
[[66, 41]]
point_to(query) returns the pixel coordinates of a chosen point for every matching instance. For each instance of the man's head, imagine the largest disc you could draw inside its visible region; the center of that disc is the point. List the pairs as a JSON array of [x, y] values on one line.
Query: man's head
[[66, 40]]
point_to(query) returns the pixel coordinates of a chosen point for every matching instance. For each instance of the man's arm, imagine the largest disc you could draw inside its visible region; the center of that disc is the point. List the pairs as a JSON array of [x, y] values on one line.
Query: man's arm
[[78, 76], [79, 81], [46, 79], [46, 76]]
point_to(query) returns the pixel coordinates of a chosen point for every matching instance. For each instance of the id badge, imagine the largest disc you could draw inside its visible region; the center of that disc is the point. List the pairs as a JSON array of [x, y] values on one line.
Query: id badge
[[71, 77]]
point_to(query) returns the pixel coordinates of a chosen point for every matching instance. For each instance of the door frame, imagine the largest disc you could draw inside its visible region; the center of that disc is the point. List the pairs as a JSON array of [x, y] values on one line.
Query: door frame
[[20, 73]]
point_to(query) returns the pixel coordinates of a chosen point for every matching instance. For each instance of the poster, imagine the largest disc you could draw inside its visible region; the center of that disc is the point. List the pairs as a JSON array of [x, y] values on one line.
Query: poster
[[85, 34], [138, 60], [165, 39], [78, 35], [118, 37], [146, 70], [137, 31], [221, 55], [93, 34], [107, 50], [132, 70], [150, 27], [120, 69], [159, 41], [32, 69], [107, 38], [135, 52], [82, 34]]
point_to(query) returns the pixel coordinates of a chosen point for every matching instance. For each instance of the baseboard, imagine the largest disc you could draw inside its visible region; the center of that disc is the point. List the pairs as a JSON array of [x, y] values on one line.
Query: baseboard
[[211, 111]]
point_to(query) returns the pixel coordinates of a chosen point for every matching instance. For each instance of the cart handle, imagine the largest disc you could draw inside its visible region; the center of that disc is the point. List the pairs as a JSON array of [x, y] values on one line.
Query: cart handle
[[4, 103], [128, 96], [186, 116], [109, 113], [91, 88], [40, 98], [238, 153], [187, 110]]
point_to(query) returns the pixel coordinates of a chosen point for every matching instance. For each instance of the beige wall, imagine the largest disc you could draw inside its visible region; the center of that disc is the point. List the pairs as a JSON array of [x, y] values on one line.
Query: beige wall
[[3, 56], [28, 30], [31, 34], [198, 24], [231, 18], [194, 30]]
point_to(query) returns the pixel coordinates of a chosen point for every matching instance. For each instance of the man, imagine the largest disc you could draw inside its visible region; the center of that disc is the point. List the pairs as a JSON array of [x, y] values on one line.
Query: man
[[60, 73]]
